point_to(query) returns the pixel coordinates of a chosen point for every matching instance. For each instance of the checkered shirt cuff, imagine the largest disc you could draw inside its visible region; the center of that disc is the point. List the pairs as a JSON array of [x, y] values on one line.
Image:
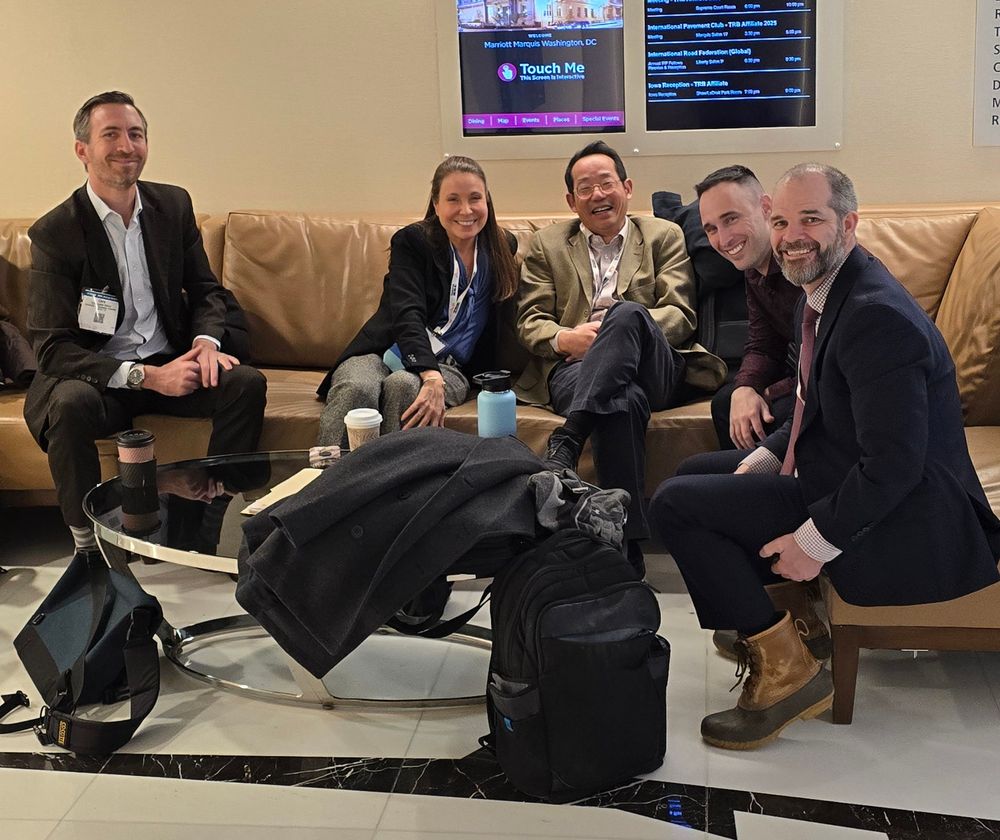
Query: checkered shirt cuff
[[762, 461], [811, 541]]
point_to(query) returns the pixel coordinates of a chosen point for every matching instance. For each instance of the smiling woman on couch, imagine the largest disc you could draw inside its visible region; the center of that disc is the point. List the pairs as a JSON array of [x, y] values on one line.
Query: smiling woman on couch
[[436, 323]]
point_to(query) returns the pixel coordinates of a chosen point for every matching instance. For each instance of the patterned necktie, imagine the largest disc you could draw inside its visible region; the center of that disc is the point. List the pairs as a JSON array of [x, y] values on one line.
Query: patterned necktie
[[809, 316]]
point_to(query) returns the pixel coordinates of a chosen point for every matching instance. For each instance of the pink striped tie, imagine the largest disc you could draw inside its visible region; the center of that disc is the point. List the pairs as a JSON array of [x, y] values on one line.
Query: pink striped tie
[[809, 316]]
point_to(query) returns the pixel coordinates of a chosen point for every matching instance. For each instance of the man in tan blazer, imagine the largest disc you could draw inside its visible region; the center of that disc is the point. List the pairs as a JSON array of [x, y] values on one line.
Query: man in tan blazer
[[607, 307]]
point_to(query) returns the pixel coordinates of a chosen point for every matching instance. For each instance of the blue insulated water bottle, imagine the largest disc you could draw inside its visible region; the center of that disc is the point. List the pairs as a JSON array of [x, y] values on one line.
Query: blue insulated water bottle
[[496, 404]]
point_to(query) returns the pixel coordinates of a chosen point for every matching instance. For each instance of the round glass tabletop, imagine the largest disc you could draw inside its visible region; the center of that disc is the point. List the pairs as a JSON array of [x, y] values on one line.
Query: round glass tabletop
[[200, 511]]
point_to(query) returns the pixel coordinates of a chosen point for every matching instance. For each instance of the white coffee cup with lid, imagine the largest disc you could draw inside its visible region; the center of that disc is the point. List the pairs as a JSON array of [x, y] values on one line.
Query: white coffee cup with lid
[[363, 425]]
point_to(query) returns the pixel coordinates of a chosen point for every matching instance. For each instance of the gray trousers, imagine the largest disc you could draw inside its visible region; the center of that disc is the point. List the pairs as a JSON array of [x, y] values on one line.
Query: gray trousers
[[366, 382]]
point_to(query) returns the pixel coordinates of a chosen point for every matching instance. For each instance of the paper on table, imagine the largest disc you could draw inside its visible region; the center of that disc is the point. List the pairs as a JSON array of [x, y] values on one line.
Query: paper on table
[[288, 487]]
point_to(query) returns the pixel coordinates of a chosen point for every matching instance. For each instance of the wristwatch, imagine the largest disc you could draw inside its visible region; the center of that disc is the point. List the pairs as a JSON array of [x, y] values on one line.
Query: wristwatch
[[136, 376]]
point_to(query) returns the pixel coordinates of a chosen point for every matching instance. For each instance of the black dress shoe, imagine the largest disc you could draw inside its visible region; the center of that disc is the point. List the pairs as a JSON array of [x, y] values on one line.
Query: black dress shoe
[[562, 451]]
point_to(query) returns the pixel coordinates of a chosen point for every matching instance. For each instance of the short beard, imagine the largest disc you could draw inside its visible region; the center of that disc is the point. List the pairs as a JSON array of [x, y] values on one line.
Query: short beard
[[123, 181], [120, 183], [825, 262]]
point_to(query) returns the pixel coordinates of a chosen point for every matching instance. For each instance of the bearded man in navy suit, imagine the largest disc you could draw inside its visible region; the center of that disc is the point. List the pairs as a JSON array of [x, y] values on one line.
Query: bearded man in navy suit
[[870, 481]]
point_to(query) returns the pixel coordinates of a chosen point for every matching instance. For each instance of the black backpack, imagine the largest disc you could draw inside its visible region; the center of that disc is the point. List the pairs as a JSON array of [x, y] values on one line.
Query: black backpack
[[576, 693]]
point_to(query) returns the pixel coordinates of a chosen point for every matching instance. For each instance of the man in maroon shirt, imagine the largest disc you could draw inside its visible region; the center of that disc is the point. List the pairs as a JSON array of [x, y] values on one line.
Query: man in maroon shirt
[[734, 212]]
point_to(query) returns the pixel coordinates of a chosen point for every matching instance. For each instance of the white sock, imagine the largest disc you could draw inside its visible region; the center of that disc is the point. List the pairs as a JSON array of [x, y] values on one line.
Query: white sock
[[83, 538]]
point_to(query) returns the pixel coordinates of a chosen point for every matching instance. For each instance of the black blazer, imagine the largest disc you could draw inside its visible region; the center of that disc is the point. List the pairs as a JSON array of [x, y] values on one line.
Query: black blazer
[[70, 252], [415, 290], [882, 459]]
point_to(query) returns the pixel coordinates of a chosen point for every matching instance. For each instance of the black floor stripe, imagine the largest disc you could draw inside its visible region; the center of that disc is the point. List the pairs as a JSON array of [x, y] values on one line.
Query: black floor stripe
[[478, 776]]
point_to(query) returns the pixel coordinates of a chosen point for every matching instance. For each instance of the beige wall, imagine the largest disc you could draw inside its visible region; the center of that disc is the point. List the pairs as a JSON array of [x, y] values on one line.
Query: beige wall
[[332, 105]]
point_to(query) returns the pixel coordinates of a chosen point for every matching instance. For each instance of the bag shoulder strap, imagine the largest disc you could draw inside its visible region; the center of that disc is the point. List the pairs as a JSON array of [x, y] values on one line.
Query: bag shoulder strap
[[431, 630], [13, 701]]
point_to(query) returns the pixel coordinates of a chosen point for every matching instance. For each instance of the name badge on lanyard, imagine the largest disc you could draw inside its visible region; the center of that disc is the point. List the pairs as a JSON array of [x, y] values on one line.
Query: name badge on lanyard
[[98, 312], [455, 299]]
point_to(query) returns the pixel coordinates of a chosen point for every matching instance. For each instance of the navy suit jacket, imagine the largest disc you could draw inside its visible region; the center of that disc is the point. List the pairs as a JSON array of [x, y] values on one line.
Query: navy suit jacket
[[882, 459]]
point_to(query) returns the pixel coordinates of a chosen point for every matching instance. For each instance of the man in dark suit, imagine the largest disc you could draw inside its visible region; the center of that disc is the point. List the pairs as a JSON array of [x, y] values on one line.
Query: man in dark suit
[[869, 481], [125, 314]]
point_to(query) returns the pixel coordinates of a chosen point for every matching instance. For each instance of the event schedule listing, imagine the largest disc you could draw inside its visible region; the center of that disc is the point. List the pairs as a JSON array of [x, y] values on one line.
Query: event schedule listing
[[730, 65]]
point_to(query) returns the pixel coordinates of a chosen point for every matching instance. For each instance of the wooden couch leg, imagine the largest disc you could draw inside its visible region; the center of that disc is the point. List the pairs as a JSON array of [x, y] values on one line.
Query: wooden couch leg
[[845, 671]]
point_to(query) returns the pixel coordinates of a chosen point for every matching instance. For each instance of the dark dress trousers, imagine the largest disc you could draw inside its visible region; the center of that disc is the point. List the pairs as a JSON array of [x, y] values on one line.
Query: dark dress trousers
[[883, 470], [69, 405], [629, 371]]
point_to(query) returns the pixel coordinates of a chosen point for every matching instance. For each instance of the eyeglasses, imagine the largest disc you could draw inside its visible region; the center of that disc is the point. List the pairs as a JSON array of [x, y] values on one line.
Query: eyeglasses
[[605, 187]]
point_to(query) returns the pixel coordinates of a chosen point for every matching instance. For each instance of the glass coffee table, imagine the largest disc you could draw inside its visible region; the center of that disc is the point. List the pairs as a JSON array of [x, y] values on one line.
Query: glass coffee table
[[199, 525]]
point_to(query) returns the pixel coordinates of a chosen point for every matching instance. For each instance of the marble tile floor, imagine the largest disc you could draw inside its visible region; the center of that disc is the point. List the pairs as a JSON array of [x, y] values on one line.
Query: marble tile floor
[[918, 762]]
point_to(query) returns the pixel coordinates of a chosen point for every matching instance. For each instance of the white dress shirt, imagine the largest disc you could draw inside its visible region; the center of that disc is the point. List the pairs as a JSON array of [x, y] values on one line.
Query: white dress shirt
[[605, 258], [141, 333]]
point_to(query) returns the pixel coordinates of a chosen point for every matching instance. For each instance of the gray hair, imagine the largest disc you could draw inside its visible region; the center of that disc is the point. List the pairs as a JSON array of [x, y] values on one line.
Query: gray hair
[[843, 198]]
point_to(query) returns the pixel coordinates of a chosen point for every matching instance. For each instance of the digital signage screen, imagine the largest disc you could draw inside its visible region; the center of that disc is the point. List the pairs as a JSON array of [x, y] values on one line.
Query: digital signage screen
[[730, 65], [541, 67]]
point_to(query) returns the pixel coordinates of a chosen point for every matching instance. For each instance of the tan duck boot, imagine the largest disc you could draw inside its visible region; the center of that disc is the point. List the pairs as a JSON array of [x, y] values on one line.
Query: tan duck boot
[[783, 682], [794, 597]]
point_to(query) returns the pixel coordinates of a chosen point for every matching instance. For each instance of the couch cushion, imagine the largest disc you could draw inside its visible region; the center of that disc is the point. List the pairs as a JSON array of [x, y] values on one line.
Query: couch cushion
[[23, 465], [213, 237], [919, 251], [984, 447], [291, 419], [978, 609], [328, 272], [307, 283], [969, 319]]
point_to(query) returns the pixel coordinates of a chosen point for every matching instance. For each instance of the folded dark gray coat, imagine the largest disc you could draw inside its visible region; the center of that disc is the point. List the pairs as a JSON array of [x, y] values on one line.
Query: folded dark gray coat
[[17, 361], [324, 569]]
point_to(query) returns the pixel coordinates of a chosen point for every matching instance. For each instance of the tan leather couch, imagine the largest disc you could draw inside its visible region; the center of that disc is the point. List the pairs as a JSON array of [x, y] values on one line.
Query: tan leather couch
[[308, 282]]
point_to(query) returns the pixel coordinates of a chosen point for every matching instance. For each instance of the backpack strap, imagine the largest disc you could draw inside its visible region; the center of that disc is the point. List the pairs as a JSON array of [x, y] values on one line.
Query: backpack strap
[[438, 630]]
